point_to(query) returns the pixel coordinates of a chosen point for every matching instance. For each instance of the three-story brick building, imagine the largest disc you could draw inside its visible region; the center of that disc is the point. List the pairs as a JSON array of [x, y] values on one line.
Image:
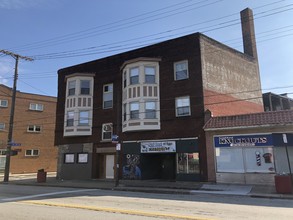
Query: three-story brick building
[[33, 130], [154, 98]]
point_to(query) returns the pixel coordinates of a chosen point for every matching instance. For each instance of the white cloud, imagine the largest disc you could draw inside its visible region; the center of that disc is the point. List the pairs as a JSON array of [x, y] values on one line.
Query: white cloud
[[3, 81], [6, 69]]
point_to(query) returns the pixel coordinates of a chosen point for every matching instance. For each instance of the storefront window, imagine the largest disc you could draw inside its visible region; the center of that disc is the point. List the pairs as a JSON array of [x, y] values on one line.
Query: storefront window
[[188, 163], [229, 160], [245, 159]]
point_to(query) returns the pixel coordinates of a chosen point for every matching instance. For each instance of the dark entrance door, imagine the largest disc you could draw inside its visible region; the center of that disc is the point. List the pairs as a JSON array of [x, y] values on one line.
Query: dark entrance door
[[168, 166]]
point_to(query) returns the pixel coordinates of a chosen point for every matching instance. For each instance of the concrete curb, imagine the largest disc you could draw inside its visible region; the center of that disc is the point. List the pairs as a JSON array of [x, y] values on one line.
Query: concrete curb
[[205, 188]]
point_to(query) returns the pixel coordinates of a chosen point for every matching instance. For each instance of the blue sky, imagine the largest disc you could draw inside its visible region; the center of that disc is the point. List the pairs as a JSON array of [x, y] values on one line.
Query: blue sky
[[61, 33]]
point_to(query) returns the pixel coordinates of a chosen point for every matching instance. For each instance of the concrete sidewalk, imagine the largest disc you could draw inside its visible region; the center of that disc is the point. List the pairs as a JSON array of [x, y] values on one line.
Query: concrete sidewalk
[[152, 186]]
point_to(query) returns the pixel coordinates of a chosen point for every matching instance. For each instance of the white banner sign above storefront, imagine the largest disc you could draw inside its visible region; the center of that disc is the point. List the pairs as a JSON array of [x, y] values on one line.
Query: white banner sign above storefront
[[158, 147]]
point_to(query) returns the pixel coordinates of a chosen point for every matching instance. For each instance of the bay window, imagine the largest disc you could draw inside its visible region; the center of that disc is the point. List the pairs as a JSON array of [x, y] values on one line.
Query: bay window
[[134, 75], [83, 118], [150, 110], [84, 87], [70, 119], [150, 74], [134, 110], [71, 87]]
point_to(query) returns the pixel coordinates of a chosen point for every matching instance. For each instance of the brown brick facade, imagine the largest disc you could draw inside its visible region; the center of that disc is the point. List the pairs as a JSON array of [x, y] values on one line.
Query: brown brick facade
[[209, 76], [42, 141]]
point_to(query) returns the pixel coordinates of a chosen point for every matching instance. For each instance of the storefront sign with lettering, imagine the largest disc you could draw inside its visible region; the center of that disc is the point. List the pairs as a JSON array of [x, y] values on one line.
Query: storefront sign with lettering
[[243, 140], [158, 147]]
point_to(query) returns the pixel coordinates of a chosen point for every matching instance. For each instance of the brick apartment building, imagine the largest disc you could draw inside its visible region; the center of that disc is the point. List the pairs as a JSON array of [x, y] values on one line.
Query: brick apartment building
[[154, 98], [34, 124]]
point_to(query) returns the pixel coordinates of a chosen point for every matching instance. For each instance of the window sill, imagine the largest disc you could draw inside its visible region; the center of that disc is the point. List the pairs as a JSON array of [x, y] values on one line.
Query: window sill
[[106, 141], [182, 116]]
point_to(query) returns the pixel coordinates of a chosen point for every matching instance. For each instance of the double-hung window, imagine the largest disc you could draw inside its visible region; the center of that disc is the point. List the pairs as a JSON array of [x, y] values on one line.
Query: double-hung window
[[2, 126], [182, 106], [150, 110], [3, 103], [36, 107], [134, 110], [134, 75], [181, 70], [83, 118], [108, 96], [71, 87], [150, 74], [70, 119], [85, 87]]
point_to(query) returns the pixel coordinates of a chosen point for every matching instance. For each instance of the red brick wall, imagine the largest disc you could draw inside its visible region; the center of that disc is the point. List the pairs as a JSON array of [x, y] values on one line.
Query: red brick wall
[[223, 105]]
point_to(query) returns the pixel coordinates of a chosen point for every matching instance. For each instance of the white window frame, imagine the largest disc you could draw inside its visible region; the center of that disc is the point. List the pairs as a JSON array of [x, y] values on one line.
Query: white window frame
[[32, 153], [134, 76], [153, 75], [124, 79], [149, 110], [179, 105], [68, 117], [71, 86], [82, 120], [131, 105], [2, 152], [36, 107], [175, 70], [107, 128], [2, 103], [87, 88], [125, 112], [2, 126], [108, 93], [34, 128]]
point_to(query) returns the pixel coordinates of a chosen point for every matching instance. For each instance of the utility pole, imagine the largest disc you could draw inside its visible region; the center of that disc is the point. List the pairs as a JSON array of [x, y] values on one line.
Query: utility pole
[[10, 132]]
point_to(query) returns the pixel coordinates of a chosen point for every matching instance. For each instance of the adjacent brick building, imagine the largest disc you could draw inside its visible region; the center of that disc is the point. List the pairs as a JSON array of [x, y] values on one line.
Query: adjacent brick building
[[249, 148], [154, 98], [34, 125]]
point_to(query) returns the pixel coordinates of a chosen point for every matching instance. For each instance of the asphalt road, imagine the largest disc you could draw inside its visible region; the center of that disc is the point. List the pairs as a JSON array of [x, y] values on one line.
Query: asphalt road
[[38, 202]]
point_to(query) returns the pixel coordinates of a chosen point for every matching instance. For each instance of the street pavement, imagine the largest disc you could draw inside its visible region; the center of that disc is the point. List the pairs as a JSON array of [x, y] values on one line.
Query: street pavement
[[152, 186]]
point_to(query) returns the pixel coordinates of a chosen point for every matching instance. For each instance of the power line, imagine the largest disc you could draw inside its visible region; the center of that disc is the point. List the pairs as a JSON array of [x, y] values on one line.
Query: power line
[[89, 33], [11, 120], [91, 50], [67, 39], [142, 112], [192, 97]]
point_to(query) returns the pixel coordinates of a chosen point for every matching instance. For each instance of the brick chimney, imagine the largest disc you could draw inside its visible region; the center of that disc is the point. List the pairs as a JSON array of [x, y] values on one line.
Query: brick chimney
[[248, 34]]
